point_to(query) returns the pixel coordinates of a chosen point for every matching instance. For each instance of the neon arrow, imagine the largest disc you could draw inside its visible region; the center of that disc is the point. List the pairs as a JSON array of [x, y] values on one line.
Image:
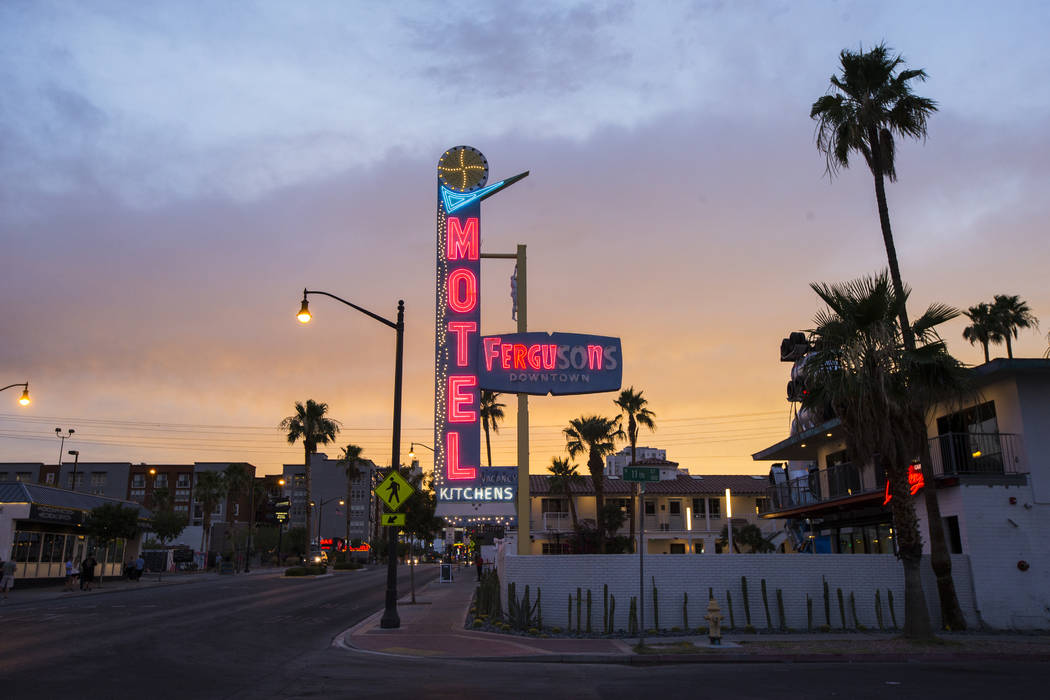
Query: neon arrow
[[458, 200]]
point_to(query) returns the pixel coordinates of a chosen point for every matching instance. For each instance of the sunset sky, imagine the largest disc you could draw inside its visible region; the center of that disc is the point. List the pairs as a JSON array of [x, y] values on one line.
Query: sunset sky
[[172, 175]]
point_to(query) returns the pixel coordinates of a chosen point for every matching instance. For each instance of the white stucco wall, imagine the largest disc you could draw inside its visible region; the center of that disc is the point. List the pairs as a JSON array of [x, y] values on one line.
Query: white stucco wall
[[796, 575]]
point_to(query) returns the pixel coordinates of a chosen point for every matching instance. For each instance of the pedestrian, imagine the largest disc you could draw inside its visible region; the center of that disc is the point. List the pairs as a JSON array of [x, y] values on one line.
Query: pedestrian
[[479, 563], [69, 576], [7, 570], [140, 566], [87, 573]]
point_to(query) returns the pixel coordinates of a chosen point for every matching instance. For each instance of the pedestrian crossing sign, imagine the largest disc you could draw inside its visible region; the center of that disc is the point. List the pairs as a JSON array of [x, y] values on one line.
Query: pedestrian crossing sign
[[393, 519], [394, 490]]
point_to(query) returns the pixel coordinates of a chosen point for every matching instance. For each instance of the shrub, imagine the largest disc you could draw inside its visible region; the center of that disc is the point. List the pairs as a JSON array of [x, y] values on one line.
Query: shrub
[[478, 623], [347, 566], [556, 630], [824, 628], [749, 629]]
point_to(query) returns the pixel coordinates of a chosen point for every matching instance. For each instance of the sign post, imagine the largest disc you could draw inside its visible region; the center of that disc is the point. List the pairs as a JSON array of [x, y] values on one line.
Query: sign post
[[641, 475]]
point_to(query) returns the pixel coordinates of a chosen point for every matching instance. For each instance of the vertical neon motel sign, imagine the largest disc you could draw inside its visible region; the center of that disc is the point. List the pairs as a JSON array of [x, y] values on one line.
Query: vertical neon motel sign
[[462, 177]]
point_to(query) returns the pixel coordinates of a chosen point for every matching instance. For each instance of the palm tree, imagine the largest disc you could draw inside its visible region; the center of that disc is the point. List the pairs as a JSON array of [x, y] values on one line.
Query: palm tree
[[238, 477], [595, 435], [563, 476], [313, 427], [869, 103], [491, 416], [210, 492], [982, 327], [1009, 314], [350, 459], [633, 405], [881, 391]]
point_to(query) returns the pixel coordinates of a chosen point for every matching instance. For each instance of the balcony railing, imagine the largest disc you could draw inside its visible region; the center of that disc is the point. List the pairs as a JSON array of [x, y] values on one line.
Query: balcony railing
[[557, 522], [988, 454], [821, 485]]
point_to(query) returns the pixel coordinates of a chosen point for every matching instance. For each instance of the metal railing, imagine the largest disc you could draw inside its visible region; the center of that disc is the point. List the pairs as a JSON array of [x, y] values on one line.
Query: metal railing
[[821, 485], [977, 454], [557, 522]]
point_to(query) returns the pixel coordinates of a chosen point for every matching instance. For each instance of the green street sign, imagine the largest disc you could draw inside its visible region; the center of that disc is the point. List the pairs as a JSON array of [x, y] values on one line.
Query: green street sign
[[641, 474]]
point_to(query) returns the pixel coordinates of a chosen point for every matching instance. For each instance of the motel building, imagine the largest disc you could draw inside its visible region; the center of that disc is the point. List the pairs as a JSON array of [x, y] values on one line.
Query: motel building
[[41, 527], [684, 513], [991, 465]]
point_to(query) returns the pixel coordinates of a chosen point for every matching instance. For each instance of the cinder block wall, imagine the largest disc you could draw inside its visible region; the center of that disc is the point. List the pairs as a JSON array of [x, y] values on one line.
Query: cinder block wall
[[797, 576]]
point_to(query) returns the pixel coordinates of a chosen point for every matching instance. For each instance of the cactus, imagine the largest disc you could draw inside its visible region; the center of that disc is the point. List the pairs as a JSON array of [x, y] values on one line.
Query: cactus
[[878, 609], [827, 603], [729, 603], [656, 607], [809, 613], [605, 607], [488, 596], [579, 605], [853, 610], [568, 615], [539, 608], [842, 608], [747, 604], [710, 593], [889, 602], [520, 613], [780, 610], [765, 604], [588, 611], [632, 617], [685, 610], [612, 614]]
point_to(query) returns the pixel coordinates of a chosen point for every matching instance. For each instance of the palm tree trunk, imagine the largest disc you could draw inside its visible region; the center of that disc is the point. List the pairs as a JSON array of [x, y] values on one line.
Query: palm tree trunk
[[598, 477], [349, 485], [488, 445], [631, 430], [909, 547], [1009, 346], [939, 557], [572, 508], [309, 491], [985, 344]]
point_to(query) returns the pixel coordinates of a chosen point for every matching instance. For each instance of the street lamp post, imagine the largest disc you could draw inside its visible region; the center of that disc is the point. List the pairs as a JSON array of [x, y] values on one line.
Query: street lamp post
[[62, 444], [390, 619], [76, 460], [320, 514], [24, 399]]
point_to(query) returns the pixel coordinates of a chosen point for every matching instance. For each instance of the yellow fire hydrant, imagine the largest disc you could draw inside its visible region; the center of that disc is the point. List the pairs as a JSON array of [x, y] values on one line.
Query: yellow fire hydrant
[[714, 620]]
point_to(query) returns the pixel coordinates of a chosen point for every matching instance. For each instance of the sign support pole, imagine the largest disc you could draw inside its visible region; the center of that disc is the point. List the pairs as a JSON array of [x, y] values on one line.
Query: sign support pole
[[641, 563], [524, 507]]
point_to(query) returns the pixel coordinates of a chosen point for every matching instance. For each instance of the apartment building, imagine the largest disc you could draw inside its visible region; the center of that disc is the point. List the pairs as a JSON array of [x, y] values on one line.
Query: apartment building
[[332, 519]]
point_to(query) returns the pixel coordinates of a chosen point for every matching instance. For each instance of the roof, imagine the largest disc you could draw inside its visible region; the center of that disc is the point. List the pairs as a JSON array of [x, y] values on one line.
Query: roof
[[795, 447], [22, 492], [682, 484]]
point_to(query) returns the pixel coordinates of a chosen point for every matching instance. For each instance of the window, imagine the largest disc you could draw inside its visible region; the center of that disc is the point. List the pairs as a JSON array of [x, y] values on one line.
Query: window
[[762, 505], [138, 481], [160, 481], [236, 509], [79, 484], [623, 504], [969, 441], [183, 481], [24, 476], [675, 508], [698, 507], [553, 505], [650, 507], [3, 476], [49, 479], [714, 507], [98, 483]]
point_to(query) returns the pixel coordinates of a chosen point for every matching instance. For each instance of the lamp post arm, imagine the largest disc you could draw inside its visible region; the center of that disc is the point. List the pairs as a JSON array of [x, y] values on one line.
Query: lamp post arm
[[366, 312], [26, 384]]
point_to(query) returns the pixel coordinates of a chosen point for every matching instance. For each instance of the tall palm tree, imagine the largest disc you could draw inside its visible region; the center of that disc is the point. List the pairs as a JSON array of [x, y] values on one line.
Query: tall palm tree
[[982, 327], [881, 391], [238, 477], [869, 103], [491, 415], [1009, 314], [595, 435], [351, 461], [633, 405], [313, 427], [210, 491], [563, 476]]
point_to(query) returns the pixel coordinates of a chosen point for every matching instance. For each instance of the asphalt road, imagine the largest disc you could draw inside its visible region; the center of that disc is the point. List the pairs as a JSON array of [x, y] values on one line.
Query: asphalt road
[[262, 636]]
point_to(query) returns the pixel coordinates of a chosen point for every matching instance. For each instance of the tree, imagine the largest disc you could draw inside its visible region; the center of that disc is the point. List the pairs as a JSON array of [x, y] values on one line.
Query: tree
[[633, 405], [351, 461], [869, 103], [881, 392], [167, 525], [238, 478], [420, 521], [595, 435], [491, 416], [210, 492], [749, 536], [110, 522], [313, 427], [982, 327], [1009, 314], [563, 476]]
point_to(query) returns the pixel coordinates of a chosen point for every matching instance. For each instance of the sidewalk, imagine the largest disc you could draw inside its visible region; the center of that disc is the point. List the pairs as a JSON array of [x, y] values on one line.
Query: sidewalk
[[434, 627], [115, 584]]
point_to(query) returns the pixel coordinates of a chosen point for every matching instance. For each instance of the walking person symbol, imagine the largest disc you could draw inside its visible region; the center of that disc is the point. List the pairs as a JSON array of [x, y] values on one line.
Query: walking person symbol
[[394, 490]]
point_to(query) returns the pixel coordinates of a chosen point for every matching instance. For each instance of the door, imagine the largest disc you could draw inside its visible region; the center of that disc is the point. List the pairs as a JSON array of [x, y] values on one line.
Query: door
[[674, 515]]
